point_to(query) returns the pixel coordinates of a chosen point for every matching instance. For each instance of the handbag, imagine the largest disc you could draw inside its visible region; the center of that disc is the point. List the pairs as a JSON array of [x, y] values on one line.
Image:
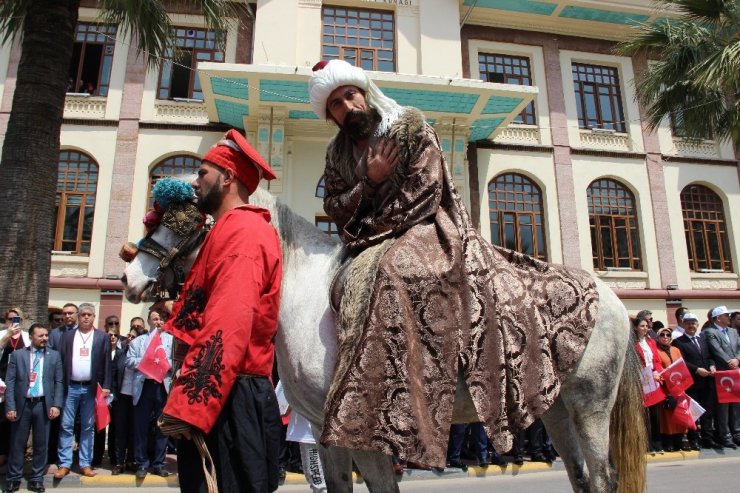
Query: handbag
[[670, 402]]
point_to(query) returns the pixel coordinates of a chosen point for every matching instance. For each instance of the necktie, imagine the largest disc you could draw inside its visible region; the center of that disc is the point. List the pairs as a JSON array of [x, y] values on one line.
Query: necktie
[[696, 343], [35, 368], [727, 336]]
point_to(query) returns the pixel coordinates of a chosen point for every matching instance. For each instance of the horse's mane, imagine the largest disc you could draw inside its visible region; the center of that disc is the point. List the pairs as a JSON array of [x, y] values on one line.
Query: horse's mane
[[295, 232]]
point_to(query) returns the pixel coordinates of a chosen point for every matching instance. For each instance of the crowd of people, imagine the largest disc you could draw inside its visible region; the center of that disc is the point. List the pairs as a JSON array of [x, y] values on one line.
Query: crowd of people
[[54, 377], [706, 348]]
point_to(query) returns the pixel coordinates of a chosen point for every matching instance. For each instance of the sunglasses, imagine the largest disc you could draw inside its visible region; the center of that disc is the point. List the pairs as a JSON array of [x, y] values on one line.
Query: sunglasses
[[114, 323], [664, 335]]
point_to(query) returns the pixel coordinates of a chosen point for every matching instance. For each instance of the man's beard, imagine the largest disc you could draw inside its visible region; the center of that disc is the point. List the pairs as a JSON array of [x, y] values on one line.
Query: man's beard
[[359, 124], [211, 201]]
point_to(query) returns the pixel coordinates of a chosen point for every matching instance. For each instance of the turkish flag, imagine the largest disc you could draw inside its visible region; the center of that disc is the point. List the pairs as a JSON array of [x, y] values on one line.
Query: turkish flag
[[728, 386], [154, 363], [102, 413], [677, 377], [682, 413], [652, 393]]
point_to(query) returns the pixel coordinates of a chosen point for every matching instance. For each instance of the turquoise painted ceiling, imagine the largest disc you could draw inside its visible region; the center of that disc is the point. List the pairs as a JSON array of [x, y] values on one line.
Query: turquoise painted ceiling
[[550, 9], [233, 99]]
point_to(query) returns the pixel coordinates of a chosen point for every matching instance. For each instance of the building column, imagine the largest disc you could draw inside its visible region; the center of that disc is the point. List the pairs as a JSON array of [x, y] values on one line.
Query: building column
[[271, 143], [124, 164], [569, 237], [658, 198], [453, 138], [9, 90]]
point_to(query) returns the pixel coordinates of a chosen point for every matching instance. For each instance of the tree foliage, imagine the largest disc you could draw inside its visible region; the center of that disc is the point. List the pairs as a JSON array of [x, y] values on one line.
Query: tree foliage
[[44, 30], [695, 78]]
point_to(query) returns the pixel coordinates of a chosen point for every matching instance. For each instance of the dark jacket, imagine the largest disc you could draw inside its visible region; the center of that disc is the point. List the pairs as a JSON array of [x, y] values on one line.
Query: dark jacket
[[17, 380], [695, 358], [100, 373]]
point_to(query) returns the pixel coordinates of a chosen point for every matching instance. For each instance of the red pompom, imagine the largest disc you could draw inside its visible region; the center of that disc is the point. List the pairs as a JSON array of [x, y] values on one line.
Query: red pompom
[[320, 65], [152, 219]]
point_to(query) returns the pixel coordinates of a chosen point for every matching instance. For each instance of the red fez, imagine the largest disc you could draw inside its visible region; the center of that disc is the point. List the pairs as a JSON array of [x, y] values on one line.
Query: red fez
[[234, 152]]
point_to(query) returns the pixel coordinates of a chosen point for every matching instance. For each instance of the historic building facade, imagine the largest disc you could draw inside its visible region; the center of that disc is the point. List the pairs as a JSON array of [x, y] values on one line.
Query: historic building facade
[[549, 152]]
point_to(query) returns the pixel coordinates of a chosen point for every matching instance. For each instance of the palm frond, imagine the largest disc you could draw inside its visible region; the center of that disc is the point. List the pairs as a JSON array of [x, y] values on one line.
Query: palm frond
[[12, 15], [146, 21], [719, 69]]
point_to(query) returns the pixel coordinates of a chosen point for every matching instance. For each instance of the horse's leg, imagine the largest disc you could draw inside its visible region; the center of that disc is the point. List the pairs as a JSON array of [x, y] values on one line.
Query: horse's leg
[[377, 471], [337, 464], [562, 431], [589, 393]]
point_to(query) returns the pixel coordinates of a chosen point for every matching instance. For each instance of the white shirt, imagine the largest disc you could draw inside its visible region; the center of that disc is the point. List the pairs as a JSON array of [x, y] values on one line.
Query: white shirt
[[39, 370], [647, 353], [82, 356], [677, 332]]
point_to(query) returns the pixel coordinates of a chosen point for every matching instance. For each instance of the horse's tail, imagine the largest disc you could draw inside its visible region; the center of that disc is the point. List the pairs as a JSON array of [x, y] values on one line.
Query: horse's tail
[[628, 430]]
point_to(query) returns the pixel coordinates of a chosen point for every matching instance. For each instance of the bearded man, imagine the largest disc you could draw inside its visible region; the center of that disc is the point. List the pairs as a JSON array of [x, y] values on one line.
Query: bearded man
[[444, 303], [227, 315]]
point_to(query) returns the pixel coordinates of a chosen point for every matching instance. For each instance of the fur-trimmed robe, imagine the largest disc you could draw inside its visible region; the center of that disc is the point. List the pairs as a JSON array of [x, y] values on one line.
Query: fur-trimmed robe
[[443, 300]]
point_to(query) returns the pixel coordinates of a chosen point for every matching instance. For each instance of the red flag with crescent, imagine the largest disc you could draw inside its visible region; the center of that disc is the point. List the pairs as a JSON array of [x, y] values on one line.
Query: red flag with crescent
[[682, 415], [677, 377], [154, 363], [102, 413], [728, 386], [652, 391]]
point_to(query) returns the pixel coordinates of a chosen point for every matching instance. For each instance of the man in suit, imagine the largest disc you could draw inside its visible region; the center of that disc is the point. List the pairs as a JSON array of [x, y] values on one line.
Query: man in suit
[[87, 364], [695, 352], [34, 396], [724, 346], [69, 312], [149, 398], [69, 323]]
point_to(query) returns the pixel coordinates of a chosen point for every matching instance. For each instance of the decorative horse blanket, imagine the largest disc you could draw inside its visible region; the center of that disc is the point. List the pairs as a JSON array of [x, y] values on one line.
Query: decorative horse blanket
[[440, 300]]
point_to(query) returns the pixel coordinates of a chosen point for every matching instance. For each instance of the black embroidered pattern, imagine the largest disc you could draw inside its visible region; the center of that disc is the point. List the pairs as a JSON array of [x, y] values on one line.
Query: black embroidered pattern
[[188, 318], [203, 378]]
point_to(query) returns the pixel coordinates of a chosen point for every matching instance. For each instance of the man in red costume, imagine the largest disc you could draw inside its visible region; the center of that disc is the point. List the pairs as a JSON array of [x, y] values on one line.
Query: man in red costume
[[227, 314]]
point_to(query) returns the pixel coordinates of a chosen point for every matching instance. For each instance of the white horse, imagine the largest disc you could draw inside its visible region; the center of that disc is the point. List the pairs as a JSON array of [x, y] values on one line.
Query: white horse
[[596, 423]]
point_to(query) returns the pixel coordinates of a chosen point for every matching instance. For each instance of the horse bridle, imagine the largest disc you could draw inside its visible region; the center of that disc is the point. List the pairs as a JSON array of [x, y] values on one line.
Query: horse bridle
[[187, 223]]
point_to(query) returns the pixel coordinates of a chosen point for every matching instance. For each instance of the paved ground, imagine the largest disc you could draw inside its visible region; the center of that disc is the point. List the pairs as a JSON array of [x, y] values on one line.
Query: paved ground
[[104, 479]]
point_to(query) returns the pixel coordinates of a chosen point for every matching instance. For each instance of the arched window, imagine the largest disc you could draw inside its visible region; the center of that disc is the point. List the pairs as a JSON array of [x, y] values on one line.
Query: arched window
[[321, 188], [77, 183], [178, 166], [515, 211], [615, 237], [706, 231]]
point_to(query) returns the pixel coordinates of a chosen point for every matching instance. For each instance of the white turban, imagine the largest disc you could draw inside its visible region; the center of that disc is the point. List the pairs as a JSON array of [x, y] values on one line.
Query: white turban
[[328, 76]]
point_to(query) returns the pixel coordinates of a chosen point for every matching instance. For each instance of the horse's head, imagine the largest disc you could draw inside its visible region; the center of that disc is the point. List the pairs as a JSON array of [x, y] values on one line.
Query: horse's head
[[175, 230]]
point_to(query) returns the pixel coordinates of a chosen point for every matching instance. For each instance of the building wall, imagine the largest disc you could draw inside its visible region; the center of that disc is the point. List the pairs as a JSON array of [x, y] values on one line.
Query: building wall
[[131, 131]]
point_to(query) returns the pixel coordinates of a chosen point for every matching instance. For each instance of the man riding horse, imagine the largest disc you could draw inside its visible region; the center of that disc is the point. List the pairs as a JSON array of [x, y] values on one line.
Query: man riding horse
[[443, 303]]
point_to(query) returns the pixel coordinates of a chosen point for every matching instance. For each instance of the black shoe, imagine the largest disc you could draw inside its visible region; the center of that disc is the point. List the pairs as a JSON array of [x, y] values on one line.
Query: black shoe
[[693, 445], [131, 467], [37, 486], [729, 444], [12, 486], [539, 458], [518, 460], [159, 471], [141, 473], [117, 470], [499, 461], [458, 464]]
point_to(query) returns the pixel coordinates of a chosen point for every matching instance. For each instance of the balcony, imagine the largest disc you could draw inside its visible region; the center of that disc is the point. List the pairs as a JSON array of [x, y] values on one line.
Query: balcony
[[84, 106]]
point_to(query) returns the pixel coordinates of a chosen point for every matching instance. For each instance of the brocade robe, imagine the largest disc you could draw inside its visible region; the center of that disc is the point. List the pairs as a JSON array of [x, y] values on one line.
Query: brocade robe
[[227, 314], [444, 300]]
